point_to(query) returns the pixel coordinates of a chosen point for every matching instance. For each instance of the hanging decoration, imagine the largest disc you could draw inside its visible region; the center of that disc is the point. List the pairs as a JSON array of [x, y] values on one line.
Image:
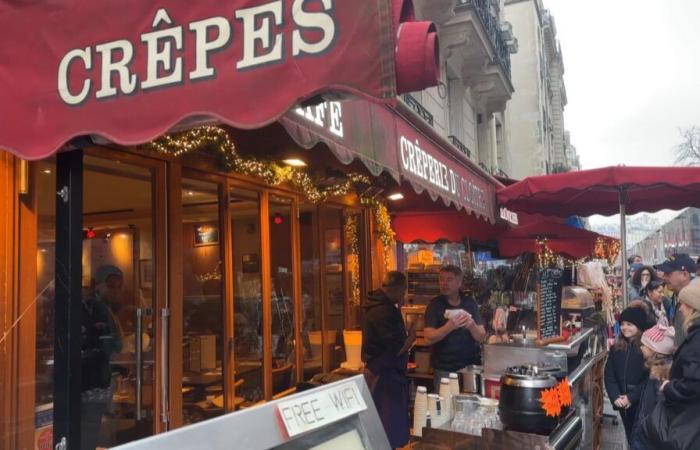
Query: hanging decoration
[[218, 141], [353, 257], [607, 249], [383, 221], [545, 256]]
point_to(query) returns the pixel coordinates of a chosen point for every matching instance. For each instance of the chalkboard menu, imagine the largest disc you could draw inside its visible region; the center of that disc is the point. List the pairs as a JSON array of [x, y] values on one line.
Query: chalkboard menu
[[549, 291]]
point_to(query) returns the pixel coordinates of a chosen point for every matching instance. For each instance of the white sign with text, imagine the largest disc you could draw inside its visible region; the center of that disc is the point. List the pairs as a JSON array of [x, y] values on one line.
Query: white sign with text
[[304, 413]]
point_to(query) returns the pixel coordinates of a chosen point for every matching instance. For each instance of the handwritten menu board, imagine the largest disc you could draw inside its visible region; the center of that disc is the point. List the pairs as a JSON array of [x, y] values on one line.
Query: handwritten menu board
[[549, 291]]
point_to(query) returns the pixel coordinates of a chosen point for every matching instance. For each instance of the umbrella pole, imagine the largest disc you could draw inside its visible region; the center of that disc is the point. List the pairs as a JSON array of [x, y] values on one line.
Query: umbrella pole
[[623, 242]]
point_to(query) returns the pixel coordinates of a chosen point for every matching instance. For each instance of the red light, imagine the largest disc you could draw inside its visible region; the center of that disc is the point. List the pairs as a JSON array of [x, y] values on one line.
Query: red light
[[91, 233], [278, 219]]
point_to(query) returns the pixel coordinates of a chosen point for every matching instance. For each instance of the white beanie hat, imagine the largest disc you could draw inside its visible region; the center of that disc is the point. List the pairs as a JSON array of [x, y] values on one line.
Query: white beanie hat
[[659, 338]]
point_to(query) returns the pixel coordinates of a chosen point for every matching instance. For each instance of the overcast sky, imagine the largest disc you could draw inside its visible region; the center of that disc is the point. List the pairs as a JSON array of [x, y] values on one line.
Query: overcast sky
[[632, 74]]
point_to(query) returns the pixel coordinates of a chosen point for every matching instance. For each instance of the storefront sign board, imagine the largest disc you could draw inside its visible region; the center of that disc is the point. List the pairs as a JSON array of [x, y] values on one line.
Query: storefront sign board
[[129, 70]]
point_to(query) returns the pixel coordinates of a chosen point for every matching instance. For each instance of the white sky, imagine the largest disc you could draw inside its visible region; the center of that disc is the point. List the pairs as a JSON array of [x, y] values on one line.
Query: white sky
[[632, 74]]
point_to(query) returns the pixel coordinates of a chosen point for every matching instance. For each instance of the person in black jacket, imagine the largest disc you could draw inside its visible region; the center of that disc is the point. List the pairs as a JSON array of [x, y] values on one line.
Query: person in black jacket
[[625, 372], [682, 390], [385, 345], [660, 307]]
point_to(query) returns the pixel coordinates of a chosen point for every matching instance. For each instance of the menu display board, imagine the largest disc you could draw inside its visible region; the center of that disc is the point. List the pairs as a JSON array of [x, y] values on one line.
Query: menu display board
[[549, 293]]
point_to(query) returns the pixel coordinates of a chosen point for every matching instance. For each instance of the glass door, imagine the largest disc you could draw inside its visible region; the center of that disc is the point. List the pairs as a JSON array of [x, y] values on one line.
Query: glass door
[[203, 301], [120, 331]]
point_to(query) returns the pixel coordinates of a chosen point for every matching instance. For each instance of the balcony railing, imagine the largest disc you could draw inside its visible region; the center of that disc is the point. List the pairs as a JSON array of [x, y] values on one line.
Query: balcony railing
[[457, 143], [493, 29], [419, 109]]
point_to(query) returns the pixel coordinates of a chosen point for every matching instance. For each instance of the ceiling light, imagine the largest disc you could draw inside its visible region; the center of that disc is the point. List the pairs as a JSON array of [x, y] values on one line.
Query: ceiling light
[[294, 162], [190, 193], [395, 196], [46, 171]]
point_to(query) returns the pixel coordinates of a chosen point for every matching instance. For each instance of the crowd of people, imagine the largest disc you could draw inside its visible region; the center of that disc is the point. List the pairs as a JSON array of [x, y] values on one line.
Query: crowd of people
[[652, 375]]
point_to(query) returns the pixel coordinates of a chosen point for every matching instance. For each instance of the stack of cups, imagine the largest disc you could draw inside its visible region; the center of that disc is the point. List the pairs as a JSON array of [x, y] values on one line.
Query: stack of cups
[[446, 394], [420, 407], [454, 384]]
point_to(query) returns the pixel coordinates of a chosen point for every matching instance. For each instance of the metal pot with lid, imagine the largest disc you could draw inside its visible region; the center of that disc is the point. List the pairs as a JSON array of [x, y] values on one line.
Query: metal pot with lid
[[520, 407]]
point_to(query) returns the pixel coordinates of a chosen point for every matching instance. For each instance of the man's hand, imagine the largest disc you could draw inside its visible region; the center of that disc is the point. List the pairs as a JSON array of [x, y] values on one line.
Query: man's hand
[[460, 320]]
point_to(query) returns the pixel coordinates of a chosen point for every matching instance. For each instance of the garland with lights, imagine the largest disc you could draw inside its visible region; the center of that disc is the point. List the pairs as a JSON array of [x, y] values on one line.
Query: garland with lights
[[545, 256], [383, 221], [352, 239], [607, 249], [218, 140]]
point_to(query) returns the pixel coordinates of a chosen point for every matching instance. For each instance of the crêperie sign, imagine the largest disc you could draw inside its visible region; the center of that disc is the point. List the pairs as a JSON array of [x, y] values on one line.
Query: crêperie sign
[[549, 292]]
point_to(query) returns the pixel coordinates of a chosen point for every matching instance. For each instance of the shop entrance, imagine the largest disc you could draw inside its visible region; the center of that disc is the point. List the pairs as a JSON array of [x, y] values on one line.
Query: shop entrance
[[122, 306]]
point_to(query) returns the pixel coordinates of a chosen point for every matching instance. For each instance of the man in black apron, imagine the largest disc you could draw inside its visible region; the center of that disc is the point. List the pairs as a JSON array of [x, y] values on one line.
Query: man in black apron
[[385, 345]]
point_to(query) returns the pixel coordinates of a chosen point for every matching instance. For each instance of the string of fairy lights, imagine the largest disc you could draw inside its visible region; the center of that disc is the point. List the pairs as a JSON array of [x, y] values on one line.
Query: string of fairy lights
[[218, 141]]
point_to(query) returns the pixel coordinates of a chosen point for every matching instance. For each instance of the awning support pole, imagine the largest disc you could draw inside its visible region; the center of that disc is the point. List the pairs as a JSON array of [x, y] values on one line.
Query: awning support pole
[[623, 242]]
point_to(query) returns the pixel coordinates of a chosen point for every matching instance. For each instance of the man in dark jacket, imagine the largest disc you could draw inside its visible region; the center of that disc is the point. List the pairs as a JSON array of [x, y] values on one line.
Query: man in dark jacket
[[385, 345]]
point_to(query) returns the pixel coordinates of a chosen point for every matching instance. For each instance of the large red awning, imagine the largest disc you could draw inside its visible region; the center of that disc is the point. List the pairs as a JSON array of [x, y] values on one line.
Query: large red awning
[[385, 140], [561, 238], [129, 70], [597, 191], [453, 226]]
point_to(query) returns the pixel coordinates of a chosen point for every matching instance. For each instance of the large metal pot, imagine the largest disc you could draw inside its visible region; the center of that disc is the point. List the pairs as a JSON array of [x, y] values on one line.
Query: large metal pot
[[519, 407]]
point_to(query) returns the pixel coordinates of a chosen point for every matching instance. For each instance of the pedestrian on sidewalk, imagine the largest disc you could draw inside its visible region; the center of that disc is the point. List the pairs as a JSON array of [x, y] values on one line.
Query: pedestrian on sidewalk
[[675, 422], [385, 346], [657, 348], [679, 271], [625, 373]]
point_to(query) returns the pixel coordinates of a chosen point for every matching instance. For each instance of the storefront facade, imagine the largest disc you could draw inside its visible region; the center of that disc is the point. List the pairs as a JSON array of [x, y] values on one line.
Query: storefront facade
[[233, 290]]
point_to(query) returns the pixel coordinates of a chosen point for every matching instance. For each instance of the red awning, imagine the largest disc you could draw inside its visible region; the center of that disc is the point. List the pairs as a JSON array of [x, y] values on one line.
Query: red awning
[[386, 140], [130, 70], [561, 238], [597, 191], [453, 226]]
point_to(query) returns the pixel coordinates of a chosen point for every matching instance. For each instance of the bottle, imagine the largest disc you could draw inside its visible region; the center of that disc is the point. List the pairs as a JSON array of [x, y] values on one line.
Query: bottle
[[446, 394], [420, 408], [428, 423]]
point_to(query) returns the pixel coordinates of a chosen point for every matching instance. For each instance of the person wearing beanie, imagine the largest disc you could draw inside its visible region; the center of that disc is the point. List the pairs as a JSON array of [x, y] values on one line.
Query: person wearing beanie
[[678, 272], [625, 372], [657, 348], [681, 389]]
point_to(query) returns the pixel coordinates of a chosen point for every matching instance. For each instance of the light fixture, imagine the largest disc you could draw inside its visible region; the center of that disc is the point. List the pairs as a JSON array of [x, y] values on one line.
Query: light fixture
[[46, 171], [294, 162], [90, 233], [190, 193], [395, 196], [278, 219]]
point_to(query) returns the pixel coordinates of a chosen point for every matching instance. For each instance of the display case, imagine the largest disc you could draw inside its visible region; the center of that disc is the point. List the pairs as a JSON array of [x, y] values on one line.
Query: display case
[[423, 285], [339, 415]]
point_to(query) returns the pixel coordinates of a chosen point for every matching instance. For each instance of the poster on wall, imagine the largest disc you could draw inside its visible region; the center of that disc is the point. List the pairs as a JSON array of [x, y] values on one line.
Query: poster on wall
[[206, 235]]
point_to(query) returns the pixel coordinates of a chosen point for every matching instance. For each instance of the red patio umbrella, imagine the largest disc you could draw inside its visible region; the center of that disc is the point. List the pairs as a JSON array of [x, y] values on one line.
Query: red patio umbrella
[[561, 238], [606, 191]]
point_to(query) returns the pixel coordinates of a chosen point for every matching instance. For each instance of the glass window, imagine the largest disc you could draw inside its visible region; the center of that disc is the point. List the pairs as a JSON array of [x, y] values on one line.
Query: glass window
[[247, 282], [311, 333], [203, 302], [334, 289], [283, 343]]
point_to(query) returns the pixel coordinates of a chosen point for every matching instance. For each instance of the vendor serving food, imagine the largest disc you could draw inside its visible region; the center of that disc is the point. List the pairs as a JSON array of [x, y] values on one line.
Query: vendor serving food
[[453, 326]]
